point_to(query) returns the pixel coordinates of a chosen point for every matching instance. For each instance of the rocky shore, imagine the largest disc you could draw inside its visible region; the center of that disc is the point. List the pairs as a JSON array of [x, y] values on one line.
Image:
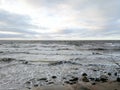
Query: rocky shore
[[75, 83]]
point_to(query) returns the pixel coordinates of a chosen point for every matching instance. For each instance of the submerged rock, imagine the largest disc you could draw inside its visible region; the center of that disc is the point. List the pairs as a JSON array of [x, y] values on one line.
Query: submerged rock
[[42, 79], [8, 60], [25, 62]]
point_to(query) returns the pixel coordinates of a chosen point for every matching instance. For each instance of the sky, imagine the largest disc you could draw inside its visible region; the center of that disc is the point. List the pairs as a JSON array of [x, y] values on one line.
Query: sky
[[60, 19]]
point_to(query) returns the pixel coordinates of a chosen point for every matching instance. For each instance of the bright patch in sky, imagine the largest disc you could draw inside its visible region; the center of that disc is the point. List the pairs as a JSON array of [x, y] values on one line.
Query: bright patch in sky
[[59, 19]]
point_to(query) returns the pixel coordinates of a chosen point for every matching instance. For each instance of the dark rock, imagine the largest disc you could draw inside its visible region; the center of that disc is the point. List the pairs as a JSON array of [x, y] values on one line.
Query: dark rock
[[115, 73], [8, 60], [118, 79], [64, 77], [50, 82], [1, 52], [74, 79], [28, 82], [95, 53], [84, 74], [92, 79], [109, 74], [85, 79], [103, 78], [42, 79], [97, 80], [94, 83], [25, 62], [36, 85], [28, 87], [54, 77], [69, 82]]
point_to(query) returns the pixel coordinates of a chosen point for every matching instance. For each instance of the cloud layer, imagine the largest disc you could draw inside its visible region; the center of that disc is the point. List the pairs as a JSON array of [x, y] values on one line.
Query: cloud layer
[[60, 19]]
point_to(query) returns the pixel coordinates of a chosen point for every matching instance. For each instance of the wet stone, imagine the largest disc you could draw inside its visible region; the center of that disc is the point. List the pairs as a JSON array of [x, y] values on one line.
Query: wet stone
[[103, 78], [97, 80], [118, 79], [74, 79], [115, 73], [36, 85], [42, 79], [25, 62], [8, 60], [84, 74], [85, 79], [50, 82], [54, 77], [109, 74], [92, 79], [28, 82]]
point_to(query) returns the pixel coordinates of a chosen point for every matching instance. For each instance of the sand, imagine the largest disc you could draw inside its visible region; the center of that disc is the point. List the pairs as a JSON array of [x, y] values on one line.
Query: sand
[[113, 85]]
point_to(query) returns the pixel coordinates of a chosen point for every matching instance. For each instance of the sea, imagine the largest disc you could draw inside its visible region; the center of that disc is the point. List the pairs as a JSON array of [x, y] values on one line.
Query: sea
[[24, 63]]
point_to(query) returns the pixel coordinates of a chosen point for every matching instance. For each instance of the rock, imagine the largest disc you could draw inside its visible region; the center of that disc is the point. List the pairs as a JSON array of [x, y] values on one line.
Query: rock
[[103, 78], [85, 79], [97, 80], [36, 85], [42, 79], [8, 60], [115, 73], [25, 62], [54, 77], [1, 52], [74, 79], [109, 74], [50, 82], [84, 74], [92, 79], [118, 79], [69, 82], [28, 82]]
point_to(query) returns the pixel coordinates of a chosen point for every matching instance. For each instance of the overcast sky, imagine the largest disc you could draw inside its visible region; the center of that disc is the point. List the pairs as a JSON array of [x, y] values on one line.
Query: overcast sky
[[59, 19]]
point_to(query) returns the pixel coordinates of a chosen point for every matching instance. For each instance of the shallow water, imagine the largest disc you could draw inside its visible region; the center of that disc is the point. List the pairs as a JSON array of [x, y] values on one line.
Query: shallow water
[[44, 59]]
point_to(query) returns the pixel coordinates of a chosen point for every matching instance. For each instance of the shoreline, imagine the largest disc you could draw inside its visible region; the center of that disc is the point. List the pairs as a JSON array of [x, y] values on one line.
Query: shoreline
[[110, 85]]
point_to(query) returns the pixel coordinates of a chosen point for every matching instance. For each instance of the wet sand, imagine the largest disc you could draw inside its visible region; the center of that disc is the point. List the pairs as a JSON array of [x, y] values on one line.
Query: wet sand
[[111, 85]]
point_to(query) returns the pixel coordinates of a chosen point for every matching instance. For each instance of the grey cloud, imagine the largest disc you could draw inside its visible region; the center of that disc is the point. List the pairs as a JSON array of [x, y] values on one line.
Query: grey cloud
[[11, 36], [10, 22]]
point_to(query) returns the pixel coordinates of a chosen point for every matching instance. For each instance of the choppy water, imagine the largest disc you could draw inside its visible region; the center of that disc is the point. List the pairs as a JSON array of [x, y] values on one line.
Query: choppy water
[[59, 58]]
